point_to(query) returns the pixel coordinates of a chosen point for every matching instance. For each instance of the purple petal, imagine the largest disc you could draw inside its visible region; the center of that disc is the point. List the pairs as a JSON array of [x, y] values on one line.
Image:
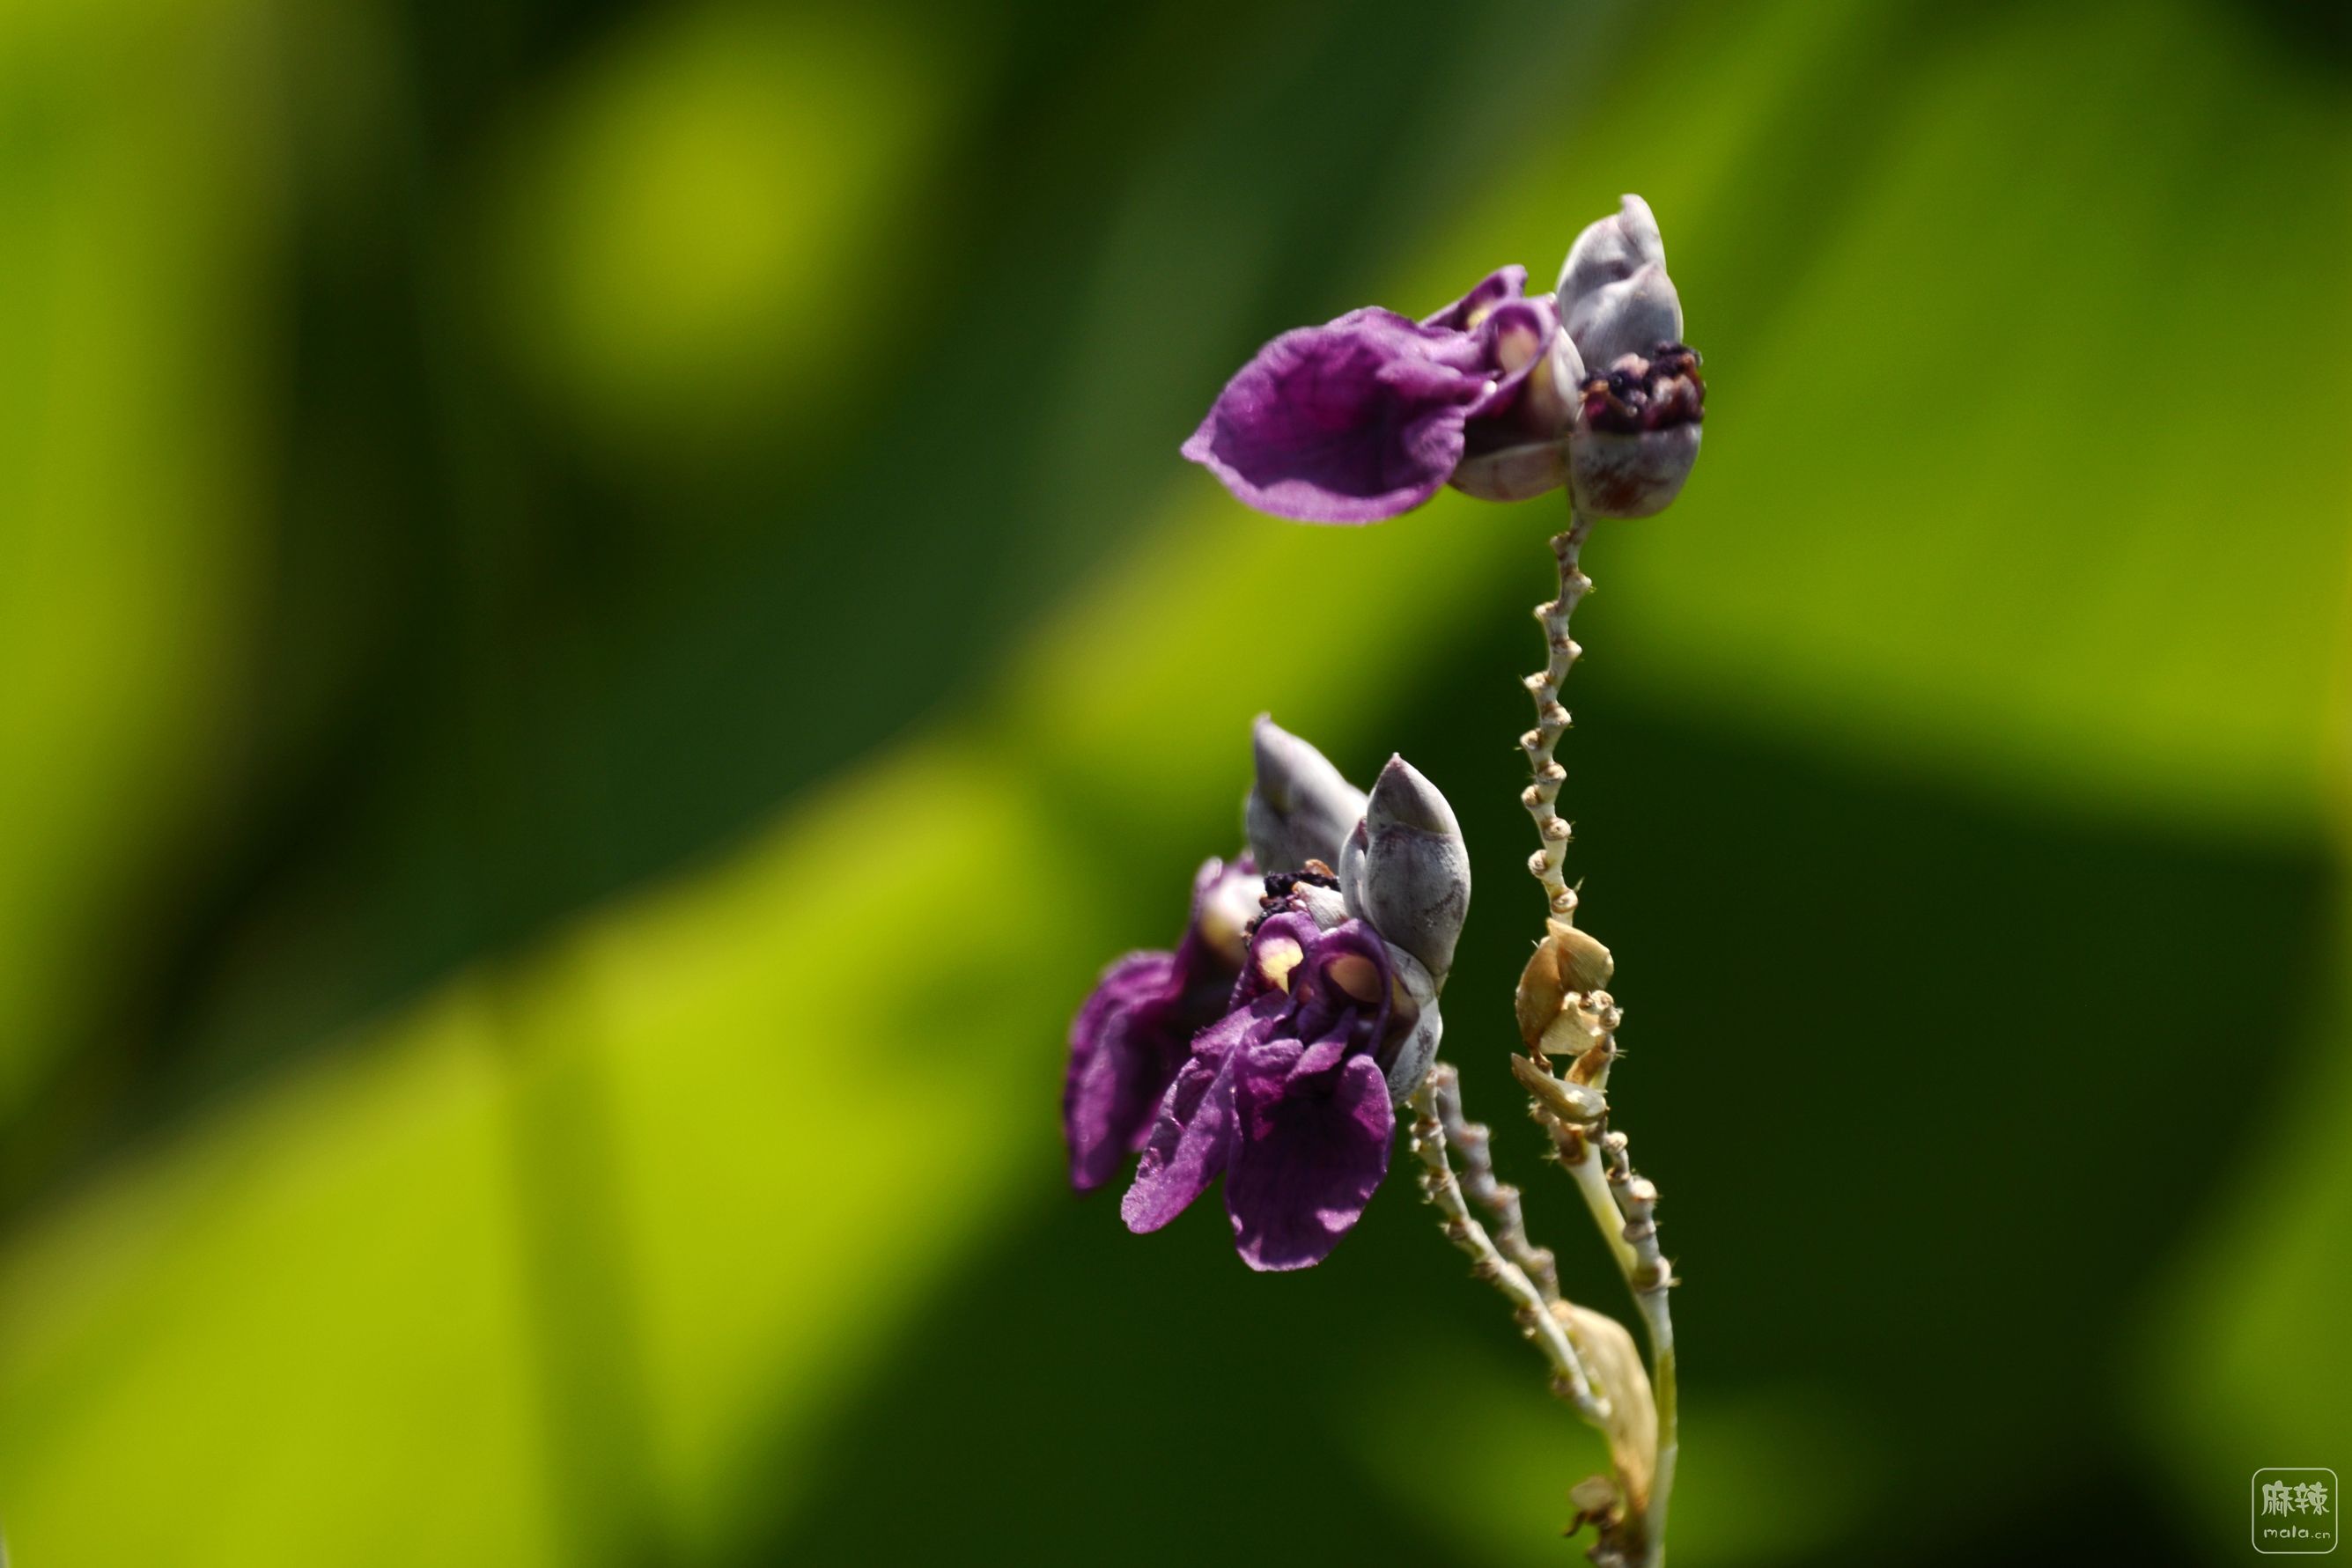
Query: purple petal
[[1192, 1139], [1136, 1029], [1308, 1153], [1515, 444], [1118, 1069], [1348, 423], [1341, 992], [1512, 343], [1503, 283], [1188, 1148]]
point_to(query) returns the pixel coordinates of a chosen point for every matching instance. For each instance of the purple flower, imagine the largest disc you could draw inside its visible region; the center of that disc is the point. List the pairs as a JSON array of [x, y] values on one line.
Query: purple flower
[[1368, 416], [1284, 1096], [1137, 1028], [1272, 1047]]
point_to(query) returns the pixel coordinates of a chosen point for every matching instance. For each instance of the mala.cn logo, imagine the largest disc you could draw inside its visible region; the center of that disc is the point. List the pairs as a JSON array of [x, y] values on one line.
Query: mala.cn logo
[[2296, 1510]]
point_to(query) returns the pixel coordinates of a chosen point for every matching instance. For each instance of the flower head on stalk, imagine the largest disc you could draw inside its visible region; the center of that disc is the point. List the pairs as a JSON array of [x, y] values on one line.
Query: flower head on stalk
[[1289, 1089], [1502, 395]]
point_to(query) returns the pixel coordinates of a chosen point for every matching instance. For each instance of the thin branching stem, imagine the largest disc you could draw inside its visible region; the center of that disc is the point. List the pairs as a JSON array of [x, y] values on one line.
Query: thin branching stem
[[1439, 1185], [1469, 1141]]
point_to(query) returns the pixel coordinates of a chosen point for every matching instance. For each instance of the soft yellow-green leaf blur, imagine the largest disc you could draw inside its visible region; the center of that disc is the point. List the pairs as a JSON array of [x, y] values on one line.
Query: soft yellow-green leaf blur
[[709, 221], [129, 419]]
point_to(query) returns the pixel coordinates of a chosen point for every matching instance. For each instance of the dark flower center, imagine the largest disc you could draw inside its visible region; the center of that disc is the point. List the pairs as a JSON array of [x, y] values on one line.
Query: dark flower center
[[1279, 884], [1637, 394]]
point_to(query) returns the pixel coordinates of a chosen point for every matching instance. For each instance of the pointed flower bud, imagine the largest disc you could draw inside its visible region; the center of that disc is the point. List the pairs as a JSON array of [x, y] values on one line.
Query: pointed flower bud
[[1615, 295], [1640, 398], [1411, 871], [1301, 807]]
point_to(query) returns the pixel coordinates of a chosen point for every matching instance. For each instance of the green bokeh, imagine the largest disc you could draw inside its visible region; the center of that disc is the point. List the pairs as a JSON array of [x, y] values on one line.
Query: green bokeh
[[600, 630]]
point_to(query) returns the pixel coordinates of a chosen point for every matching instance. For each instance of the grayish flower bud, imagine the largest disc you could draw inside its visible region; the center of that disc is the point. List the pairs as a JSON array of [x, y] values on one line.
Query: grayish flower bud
[[1410, 876], [1629, 317], [1351, 869], [1610, 250], [1615, 298], [1300, 807], [1636, 432], [1563, 376], [1414, 1025]]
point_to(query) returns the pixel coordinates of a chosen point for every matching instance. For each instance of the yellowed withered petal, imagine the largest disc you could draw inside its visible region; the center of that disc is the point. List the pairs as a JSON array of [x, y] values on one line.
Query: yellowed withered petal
[[1615, 1363]]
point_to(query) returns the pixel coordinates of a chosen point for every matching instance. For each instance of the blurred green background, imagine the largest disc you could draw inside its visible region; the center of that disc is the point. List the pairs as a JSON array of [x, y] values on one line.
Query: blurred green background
[[600, 630]]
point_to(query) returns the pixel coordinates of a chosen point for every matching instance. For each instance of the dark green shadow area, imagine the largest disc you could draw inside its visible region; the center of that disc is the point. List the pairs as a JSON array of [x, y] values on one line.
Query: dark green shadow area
[[1908, 1066]]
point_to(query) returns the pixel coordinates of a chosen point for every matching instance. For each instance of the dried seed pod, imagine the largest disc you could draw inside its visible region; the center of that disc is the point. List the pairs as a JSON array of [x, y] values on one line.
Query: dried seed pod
[[1576, 1103], [1584, 964], [1576, 1031], [1567, 963]]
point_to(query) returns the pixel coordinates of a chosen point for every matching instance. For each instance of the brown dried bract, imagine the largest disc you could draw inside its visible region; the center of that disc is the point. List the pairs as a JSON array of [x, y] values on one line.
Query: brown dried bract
[[1567, 964]]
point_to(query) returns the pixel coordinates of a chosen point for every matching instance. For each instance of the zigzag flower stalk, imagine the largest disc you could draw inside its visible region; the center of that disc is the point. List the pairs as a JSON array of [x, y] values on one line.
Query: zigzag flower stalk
[[1277, 1044]]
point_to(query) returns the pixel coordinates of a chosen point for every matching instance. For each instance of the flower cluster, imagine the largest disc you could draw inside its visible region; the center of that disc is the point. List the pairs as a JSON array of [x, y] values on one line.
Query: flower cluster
[[1274, 1045], [1299, 1008], [1502, 395]]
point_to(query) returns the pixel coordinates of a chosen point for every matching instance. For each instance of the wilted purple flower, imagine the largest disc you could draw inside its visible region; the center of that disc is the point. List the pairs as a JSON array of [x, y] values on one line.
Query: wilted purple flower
[[1273, 1045], [1503, 395], [1286, 1081], [1137, 1028], [1284, 1096]]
